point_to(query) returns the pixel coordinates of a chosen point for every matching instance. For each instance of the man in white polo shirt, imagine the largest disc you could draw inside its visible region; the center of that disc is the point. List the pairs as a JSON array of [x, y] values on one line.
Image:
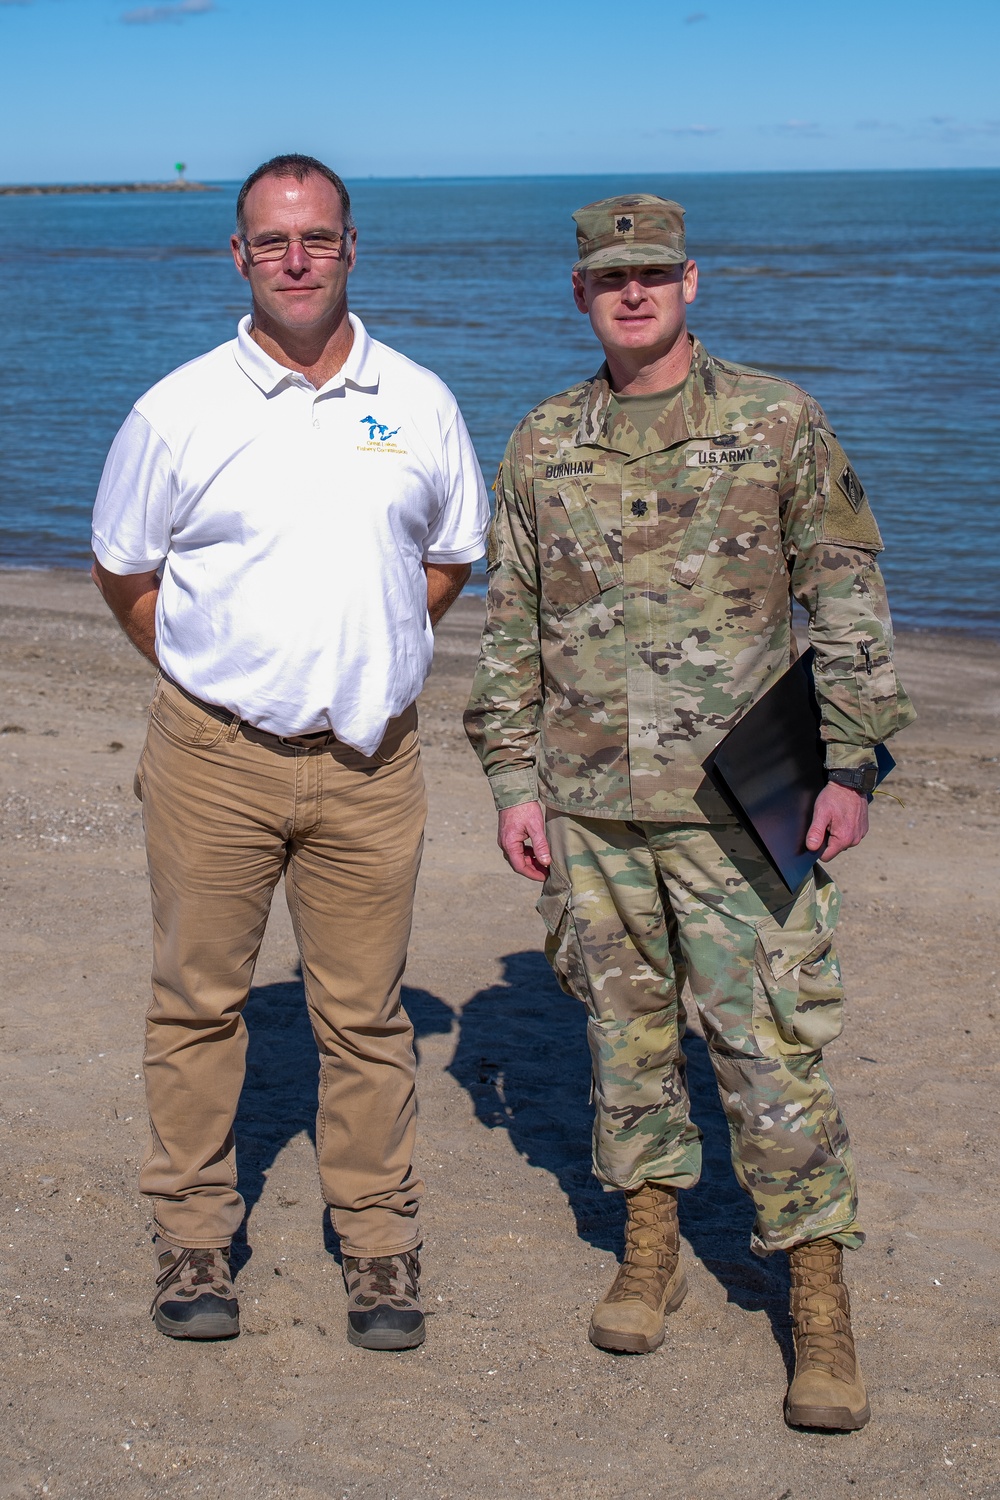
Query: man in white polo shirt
[[279, 525]]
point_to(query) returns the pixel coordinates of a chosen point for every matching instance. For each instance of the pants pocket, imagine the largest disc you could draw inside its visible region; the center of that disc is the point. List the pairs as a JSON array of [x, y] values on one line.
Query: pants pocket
[[799, 971], [400, 736], [183, 721], [562, 942]]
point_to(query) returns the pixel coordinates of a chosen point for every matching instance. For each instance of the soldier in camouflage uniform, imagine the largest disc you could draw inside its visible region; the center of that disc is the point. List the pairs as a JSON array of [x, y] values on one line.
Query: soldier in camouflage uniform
[[652, 526]]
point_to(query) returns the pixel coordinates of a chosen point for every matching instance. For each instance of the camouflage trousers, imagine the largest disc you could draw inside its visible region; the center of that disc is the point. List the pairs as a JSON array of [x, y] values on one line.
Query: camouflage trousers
[[635, 911]]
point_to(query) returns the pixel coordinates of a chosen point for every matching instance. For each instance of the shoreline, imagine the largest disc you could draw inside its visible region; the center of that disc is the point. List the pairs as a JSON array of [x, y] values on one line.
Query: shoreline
[[475, 589], [41, 189]]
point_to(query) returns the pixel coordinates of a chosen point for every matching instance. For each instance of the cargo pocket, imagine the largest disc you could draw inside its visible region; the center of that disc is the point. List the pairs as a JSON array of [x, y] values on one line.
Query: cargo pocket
[[562, 943], [798, 972]]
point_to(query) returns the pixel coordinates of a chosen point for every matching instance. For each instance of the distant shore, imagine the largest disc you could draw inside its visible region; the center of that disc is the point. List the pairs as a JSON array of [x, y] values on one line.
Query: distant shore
[[34, 189]]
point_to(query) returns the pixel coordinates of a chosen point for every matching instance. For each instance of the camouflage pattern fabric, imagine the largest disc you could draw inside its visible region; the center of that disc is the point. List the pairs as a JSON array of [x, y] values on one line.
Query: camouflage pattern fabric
[[640, 587], [635, 911]]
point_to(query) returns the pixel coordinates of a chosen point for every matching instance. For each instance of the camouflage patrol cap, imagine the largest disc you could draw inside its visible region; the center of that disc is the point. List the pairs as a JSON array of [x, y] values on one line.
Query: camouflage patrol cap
[[636, 230]]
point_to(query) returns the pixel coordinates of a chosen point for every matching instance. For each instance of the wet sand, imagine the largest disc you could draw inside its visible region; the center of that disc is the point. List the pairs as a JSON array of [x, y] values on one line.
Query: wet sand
[[506, 1397]]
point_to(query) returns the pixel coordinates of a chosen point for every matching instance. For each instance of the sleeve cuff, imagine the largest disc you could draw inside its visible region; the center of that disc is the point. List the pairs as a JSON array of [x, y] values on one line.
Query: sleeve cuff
[[511, 788], [122, 565], [849, 757]]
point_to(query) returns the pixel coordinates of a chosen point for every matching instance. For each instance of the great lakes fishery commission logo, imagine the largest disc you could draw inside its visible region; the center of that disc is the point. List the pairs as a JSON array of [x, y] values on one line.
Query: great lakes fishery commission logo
[[379, 437]]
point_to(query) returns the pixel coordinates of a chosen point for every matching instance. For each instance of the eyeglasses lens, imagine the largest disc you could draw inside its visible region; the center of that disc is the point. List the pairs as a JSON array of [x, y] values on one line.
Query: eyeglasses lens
[[316, 246]]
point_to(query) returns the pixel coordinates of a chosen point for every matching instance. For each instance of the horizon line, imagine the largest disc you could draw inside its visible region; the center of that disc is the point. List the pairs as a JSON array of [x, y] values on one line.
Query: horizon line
[[528, 176]]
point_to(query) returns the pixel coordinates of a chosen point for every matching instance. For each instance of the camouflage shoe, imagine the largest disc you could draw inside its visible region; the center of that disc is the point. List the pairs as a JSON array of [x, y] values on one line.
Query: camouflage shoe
[[195, 1297], [827, 1389], [385, 1311], [650, 1281]]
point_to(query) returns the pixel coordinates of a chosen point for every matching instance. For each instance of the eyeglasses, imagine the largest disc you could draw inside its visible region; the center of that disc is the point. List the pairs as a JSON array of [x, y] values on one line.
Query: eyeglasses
[[318, 246]]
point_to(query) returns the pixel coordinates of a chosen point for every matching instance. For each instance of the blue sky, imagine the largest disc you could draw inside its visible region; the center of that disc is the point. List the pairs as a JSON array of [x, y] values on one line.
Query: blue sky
[[115, 89]]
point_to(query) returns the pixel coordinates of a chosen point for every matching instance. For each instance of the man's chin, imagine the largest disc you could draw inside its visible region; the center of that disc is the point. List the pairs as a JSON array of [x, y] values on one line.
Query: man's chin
[[299, 312]]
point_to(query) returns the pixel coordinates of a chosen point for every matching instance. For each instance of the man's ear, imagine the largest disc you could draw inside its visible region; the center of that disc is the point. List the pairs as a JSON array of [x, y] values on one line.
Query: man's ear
[[580, 292], [236, 246]]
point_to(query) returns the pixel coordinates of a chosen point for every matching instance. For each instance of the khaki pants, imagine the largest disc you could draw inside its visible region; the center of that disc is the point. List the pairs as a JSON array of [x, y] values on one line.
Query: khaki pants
[[635, 910], [226, 810]]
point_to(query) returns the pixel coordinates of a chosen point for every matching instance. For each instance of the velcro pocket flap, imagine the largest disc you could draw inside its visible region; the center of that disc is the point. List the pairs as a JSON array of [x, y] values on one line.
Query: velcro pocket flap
[[701, 527], [590, 535]]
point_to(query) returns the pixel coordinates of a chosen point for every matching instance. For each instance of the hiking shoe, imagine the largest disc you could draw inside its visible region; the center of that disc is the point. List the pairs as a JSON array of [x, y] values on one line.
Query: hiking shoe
[[650, 1281], [195, 1297], [384, 1310], [827, 1389]]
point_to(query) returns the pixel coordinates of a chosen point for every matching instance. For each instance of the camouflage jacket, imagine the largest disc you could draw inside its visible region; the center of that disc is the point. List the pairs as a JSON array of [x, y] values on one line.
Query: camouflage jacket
[[640, 594]]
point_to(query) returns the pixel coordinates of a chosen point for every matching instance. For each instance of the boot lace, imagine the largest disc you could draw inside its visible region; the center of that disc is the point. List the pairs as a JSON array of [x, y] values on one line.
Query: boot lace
[[384, 1278], [651, 1248], [821, 1311], [194, 1268]]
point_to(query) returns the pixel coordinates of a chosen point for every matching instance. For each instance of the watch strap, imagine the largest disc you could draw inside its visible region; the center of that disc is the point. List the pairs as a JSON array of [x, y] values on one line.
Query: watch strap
[[863, 779]]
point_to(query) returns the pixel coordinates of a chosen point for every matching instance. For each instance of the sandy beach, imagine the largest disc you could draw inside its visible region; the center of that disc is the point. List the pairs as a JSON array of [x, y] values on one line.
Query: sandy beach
[[506, 1397]]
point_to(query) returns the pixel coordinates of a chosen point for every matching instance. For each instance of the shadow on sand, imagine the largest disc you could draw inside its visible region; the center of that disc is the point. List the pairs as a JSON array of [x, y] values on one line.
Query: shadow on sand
[[522, 1055], [279, 1095]]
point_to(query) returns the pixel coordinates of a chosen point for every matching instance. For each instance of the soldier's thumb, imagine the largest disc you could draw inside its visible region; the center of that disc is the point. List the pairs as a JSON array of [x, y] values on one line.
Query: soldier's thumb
[[540, 847]]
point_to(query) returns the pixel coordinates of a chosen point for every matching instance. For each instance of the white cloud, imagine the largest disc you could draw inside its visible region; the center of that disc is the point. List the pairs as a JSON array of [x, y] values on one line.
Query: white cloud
[[956, 130], [800, 127], [175, 10]]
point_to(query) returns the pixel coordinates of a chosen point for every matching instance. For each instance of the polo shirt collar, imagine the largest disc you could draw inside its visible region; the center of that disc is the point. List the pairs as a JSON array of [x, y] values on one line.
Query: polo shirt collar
[[360, 369]]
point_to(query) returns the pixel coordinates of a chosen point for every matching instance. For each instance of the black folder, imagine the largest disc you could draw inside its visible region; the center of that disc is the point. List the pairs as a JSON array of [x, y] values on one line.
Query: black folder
[[770, 769]]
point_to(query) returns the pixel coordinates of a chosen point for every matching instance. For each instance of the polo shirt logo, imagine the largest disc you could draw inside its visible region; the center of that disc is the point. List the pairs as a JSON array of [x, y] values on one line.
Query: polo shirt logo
[[377, 431], [379, 438]]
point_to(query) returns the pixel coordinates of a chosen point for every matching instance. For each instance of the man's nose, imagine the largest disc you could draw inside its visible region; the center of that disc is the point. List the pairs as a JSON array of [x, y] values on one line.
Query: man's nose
[[633, 293], [296, 259]]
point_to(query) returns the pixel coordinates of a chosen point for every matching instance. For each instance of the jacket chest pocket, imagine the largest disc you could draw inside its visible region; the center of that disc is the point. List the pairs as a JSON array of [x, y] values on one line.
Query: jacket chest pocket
[[732, 544], [579, 559]]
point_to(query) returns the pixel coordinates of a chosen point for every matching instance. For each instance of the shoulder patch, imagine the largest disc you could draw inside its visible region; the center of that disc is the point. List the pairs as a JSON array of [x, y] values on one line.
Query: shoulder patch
[[847, 516]]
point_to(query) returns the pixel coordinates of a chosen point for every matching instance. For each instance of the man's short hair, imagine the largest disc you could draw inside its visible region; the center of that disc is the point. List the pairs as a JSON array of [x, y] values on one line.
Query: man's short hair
[[292, 164]]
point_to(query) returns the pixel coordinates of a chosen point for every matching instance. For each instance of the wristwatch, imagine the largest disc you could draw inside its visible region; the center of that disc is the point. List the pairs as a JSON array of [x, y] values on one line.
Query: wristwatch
[[861, 779]]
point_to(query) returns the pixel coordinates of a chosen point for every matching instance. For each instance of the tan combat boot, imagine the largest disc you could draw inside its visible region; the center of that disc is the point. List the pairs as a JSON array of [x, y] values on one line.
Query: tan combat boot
[[650, 1282], [826, 1389]]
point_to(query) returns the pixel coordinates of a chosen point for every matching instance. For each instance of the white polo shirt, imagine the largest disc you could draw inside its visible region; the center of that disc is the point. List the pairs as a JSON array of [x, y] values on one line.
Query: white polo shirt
[[291, 525]]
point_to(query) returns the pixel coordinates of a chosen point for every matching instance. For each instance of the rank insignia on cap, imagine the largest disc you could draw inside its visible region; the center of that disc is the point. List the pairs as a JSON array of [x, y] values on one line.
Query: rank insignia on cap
[[852, 487], [624, 225]]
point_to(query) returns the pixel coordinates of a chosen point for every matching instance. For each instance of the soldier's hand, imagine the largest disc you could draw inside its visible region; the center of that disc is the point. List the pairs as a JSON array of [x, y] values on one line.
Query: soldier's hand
[[521, 836], [840, 819]]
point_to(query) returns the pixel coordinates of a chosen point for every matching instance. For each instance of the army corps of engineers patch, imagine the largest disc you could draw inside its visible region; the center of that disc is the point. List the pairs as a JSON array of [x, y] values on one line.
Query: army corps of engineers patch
[[852, 487]]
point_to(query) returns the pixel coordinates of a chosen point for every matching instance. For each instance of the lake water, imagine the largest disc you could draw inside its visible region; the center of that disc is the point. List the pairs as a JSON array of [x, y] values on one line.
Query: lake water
[[879, 292]]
